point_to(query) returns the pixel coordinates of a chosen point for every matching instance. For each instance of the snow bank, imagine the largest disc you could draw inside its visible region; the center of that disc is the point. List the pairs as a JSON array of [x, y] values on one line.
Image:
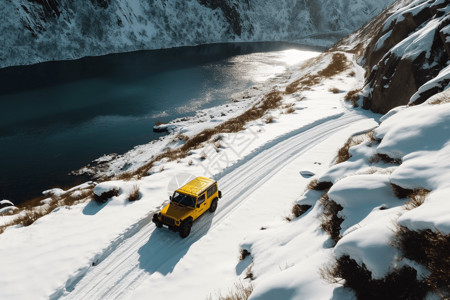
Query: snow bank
[[420, 128], [360, 196], [371, 243], [433, 214]]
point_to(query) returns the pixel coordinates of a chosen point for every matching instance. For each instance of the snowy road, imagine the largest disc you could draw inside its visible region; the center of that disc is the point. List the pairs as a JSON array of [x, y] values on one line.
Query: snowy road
[[149, 252]]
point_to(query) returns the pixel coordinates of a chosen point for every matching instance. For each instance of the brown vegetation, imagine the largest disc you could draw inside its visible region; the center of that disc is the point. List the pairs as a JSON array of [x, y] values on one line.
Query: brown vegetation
[[338, 64], [416, 196], [431, 249], [134, 195], [27, 214], [385, 158], [240, 292], [290, 110], [399, 284], [317, 185], [244, 254], [353, 97], [300, 209], [331, 222], [269, 119], [343, 153], [334, 90]]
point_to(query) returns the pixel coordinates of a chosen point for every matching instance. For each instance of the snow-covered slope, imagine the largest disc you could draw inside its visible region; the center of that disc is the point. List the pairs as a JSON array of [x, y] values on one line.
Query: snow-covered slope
[[34, 31]]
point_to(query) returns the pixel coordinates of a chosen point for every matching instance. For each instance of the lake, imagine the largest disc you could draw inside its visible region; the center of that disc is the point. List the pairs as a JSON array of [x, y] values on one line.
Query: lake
[[56, 117]]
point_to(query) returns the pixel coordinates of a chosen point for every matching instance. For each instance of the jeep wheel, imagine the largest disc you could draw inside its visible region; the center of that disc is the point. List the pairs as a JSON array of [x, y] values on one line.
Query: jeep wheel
[[156, 221], [213, 206], [185, 228]]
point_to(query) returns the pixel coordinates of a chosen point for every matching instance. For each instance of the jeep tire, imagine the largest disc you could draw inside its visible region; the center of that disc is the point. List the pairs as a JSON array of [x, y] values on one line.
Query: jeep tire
[[156, 221], [213, 206], [185, 228]]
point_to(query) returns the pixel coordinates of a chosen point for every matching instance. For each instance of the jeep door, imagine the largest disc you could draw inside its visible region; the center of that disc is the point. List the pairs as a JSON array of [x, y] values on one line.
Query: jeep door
[[202, 205]]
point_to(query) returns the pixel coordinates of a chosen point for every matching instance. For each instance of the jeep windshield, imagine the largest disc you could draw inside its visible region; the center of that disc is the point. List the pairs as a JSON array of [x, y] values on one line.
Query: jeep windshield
[[183, 199]]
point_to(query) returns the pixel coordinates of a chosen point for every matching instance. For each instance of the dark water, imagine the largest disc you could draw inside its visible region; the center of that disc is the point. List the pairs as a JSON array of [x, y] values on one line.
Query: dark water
[[56, 117]]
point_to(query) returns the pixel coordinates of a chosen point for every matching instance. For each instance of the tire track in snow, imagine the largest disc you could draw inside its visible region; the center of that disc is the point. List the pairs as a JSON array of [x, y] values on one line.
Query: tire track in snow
[[122, 270]]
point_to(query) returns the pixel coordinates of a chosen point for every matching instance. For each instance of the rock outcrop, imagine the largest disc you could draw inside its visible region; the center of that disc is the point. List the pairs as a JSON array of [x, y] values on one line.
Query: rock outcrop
[[407, 59]]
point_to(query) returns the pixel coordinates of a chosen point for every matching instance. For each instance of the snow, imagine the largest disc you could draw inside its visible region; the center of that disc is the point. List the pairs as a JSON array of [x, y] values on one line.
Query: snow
[[370, 243], [417, 43], [382, 40], [412, 8], [444, 75], [5, 202], [360, 196], [402, 131], [433, 214]]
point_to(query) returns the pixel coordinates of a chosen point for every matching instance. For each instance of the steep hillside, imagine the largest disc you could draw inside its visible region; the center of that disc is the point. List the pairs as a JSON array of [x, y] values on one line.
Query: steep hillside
[[41, 30]]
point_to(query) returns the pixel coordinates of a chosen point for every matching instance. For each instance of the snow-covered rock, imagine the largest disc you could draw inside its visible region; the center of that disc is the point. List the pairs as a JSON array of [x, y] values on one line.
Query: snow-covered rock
[[408, 56]]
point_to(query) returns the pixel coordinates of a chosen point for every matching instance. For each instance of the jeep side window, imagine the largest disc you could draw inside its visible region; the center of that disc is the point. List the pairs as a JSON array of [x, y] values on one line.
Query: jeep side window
[[212, 190], [201, 199]]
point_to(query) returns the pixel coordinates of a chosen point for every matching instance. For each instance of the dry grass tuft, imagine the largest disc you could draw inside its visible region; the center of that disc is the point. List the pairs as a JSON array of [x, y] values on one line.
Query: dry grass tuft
[[440, 99], [317, 185], [344, 153], [126, 176], [134, 195], [249, 273], [399, 284], [353, 97], [331, 222], [416, 196], [300, 209], [334, 90], [244, 254], [181, 137], [431, 249], [203, 156], [385, 158], [290, 110], [269, 119], [240, 292]]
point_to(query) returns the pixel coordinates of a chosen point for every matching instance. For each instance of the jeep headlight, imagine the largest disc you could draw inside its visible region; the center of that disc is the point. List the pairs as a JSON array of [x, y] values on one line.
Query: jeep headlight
[[178, 222]]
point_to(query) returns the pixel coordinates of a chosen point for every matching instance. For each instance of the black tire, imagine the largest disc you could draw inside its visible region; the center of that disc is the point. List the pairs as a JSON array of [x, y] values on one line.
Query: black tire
[[185, 228], [156, 221], [213, 206]]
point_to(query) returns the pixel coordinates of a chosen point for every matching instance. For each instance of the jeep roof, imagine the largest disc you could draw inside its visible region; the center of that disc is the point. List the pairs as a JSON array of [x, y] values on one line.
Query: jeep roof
[[196, 186]]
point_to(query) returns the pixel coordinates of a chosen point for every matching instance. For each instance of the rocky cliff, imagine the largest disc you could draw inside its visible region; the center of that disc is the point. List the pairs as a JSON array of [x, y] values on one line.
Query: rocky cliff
[[407, 60]]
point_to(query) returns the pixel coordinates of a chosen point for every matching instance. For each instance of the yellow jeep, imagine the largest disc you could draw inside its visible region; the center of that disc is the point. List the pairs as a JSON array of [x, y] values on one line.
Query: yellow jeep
[[187, 204]]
